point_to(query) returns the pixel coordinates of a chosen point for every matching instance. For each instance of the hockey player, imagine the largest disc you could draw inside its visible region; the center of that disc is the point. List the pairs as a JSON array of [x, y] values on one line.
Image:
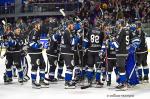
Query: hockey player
[[24, 62], [60, 59], [111, 55], [84, 58], [77, 50], [13, 44], [95, 38], [55, 32], [52, 54], [37, 60], [67, 43], [126, 41], [80, 52], [141, 54]]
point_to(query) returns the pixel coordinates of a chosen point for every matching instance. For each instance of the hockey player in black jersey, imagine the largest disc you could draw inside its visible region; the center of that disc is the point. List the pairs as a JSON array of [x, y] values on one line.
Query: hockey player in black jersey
[[126, 43], [66, 48], [13, 44], [82, 52], [77, 50], [37, 60], [95, 39], [52, 54], [77, 58], [24, 62], [110, 54], [141, 55]]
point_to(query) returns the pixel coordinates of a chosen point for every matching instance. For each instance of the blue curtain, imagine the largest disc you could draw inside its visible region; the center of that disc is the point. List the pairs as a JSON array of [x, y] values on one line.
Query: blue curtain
[[2, 2]]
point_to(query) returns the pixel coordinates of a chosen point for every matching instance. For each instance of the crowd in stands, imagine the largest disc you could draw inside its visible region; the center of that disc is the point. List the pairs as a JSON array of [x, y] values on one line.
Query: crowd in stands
[[139, 9]]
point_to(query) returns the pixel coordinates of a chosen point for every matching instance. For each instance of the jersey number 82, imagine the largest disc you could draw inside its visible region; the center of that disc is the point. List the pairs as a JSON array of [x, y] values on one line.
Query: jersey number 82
[[94, 38]]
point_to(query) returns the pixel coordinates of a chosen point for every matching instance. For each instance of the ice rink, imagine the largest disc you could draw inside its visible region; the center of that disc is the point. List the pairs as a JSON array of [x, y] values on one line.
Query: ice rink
[[57, 91]]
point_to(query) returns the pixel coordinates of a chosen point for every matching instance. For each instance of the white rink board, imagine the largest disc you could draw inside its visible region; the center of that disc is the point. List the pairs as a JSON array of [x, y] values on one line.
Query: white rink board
[[57, 91]]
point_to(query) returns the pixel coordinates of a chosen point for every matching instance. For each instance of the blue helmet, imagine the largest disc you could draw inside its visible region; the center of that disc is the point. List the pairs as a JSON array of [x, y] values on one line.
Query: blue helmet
[[133, 27]]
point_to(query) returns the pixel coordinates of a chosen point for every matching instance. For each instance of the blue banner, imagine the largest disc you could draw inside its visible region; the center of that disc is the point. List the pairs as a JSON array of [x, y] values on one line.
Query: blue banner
[[2, 2]]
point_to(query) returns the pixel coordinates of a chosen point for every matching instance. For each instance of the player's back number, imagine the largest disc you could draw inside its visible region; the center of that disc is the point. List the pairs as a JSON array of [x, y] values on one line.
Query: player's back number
[[94, 38]]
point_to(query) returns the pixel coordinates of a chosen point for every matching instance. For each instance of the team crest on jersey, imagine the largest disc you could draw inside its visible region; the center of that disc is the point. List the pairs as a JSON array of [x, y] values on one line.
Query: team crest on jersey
[[72, 62], [38, 61], [55, 62]]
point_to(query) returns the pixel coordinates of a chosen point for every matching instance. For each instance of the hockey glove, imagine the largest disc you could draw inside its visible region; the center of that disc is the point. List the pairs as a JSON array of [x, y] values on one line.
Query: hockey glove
[[75, 40], [12, 43], [85, 44], [113, 44], [34, 45]]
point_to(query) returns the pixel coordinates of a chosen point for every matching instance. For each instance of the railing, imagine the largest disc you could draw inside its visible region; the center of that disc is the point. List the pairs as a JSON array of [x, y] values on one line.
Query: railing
[[46, 7], [9, 9], [37, 9]]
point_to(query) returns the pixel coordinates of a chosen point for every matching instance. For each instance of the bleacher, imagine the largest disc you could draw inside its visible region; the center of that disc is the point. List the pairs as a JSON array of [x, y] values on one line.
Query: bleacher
[[23, 8]]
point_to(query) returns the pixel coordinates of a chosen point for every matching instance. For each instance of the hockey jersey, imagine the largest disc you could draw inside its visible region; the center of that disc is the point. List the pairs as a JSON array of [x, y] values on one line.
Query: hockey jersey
[[124, 38], [95, 38], [143, 45], [34, 42]]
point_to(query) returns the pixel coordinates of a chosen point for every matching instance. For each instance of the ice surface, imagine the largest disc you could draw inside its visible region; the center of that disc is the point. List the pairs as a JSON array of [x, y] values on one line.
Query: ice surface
[[57, 91]]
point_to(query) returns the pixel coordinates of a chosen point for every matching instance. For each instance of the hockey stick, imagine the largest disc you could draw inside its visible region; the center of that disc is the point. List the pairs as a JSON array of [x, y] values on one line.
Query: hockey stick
[[1, 41], [106, 59], [1, 48], [27, 68], [62, 12], [85, 87], [46, 72]]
